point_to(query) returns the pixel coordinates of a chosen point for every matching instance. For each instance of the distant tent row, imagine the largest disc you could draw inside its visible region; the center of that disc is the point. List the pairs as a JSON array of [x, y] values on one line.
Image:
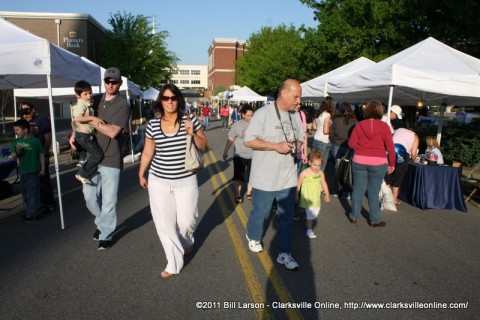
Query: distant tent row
[[429, 71]]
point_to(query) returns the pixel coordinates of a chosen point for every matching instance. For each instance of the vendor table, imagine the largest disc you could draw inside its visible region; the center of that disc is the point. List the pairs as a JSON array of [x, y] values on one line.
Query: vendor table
[[428, 187]]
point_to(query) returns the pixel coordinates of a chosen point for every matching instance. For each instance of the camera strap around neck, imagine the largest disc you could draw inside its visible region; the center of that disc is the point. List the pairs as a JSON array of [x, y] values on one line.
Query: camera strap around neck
[[281, 124]]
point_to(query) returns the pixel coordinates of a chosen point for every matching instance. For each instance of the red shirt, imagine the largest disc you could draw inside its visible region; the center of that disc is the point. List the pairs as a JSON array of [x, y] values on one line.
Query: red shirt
[[372, 138], [224, 112], [205, 111]]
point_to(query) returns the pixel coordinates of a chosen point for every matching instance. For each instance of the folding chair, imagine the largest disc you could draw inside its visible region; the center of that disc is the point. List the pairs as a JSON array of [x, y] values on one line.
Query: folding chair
[[473, 179]]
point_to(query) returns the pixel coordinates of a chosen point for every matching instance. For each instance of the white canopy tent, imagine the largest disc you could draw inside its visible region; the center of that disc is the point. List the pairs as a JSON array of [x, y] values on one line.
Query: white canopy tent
[[246, 94], [29, 61], [67, 94], [318, 87], [430, 71]]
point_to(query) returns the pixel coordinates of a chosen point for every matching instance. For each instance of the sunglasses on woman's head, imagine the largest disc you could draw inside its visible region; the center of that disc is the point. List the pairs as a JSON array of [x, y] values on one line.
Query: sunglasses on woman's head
[[166, 98]]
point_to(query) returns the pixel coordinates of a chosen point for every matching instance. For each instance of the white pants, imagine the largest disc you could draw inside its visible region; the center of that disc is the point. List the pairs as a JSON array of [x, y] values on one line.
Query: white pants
[[312, 213], [174, 206]]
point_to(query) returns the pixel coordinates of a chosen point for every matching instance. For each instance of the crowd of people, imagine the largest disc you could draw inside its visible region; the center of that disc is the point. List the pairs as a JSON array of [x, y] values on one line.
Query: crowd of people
[[272, 162]]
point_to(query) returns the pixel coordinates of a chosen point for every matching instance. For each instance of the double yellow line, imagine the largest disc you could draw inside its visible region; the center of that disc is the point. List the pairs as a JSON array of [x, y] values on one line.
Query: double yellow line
[[255, 289]]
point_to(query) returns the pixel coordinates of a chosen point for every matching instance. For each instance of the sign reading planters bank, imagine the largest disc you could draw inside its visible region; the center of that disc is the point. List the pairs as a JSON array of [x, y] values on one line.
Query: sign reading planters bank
[[72, 41]]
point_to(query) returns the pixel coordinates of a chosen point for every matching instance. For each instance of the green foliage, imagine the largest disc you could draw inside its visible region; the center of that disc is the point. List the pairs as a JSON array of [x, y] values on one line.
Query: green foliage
[[219, 89], [273, 56], [376, 29], [140, 55], [460, 142]]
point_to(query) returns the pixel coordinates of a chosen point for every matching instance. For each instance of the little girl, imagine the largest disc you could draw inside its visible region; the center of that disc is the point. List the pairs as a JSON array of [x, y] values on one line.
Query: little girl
[[311, 183], [432, 152]]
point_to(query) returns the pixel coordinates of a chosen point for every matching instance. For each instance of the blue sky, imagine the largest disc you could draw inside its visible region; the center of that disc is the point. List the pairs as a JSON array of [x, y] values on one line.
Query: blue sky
[[192, 24]]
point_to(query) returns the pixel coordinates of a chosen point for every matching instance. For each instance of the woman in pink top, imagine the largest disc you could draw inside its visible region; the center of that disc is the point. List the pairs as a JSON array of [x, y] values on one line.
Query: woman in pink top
[[371, 139]]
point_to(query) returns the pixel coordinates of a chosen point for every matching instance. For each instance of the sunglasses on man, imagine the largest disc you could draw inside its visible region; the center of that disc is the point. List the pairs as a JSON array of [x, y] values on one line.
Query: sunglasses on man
[[25, 111], [111, 82]]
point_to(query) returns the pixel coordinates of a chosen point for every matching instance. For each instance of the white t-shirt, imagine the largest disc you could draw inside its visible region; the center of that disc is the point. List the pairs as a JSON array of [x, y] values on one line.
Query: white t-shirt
[[319, 135]]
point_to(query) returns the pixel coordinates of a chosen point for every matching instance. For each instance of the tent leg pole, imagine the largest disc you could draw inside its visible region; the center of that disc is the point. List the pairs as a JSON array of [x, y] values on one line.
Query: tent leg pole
[[55, 150]]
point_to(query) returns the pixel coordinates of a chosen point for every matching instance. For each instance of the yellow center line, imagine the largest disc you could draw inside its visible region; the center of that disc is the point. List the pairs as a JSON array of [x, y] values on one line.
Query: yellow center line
[[274, 277], [254, 287]]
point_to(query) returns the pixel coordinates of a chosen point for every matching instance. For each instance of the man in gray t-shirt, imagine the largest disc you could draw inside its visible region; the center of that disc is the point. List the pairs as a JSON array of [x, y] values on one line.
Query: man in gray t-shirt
[[101, 197], [274, 134]]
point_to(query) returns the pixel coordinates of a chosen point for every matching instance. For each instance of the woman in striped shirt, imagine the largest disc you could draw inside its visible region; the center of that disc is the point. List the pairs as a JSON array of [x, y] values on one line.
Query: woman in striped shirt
[[172, 190]]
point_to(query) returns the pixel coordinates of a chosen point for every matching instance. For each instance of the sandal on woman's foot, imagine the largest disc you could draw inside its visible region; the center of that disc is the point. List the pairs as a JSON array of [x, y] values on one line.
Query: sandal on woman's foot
[[167, 275], [398, 202], [238, 200], [249, 197]]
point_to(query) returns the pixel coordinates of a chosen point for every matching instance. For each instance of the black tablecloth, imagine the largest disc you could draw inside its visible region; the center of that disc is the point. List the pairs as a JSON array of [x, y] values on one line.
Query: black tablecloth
[[428, 187]]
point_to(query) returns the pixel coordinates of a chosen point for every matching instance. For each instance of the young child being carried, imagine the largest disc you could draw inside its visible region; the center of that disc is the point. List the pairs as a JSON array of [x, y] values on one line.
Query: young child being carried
[[84, 132], [311, 183]]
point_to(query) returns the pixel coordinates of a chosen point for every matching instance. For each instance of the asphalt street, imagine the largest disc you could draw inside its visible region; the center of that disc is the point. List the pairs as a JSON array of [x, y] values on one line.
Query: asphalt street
[[422, 265]]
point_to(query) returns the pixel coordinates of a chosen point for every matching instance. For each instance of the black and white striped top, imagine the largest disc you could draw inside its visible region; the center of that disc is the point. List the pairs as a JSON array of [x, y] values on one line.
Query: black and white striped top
[[169, 159]]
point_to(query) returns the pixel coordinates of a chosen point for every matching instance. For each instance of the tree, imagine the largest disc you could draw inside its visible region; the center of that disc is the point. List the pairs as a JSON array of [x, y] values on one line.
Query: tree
[[273, 56], [376, 29], [141, 55], [6, 97]]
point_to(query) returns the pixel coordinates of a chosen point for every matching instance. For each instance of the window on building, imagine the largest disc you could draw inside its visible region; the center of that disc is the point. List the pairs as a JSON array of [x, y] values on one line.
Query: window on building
[[184, 72], [184, 81], [195, 82], [195, 72], [175, 71], [174, 81]]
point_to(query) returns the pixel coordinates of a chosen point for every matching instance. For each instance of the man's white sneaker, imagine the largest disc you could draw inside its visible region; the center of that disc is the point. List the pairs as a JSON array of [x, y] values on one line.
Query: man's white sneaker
[[310, 234], [287, 260], [253, 245]]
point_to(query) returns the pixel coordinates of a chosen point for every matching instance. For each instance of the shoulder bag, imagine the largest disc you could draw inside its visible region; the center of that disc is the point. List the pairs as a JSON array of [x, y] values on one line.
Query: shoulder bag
[[193, 157], [344, 172]]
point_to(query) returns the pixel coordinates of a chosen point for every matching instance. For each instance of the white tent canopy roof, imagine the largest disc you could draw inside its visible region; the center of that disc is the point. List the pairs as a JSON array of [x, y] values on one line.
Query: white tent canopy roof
[[318, 87], [67, 94], [246, 94], [429, 70], [27, 60], [150, 94]]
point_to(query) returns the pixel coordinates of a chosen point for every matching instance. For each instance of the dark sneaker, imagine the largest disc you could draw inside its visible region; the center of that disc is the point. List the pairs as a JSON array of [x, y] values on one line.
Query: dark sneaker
[[104, 244], [29, 218], [96, 234], [49, 209]]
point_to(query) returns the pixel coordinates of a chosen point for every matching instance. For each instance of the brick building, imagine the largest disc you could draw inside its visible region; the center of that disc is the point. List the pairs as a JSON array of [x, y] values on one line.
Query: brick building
[[78, 33], [223, 54]]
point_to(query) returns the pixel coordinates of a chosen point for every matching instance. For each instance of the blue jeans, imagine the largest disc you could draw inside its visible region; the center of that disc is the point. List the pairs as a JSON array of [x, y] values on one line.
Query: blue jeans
[[30, 186], [206, 120], [102, 202], [95, 154], [324, 148], [338, 152], [367, 178], [261, 206]]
